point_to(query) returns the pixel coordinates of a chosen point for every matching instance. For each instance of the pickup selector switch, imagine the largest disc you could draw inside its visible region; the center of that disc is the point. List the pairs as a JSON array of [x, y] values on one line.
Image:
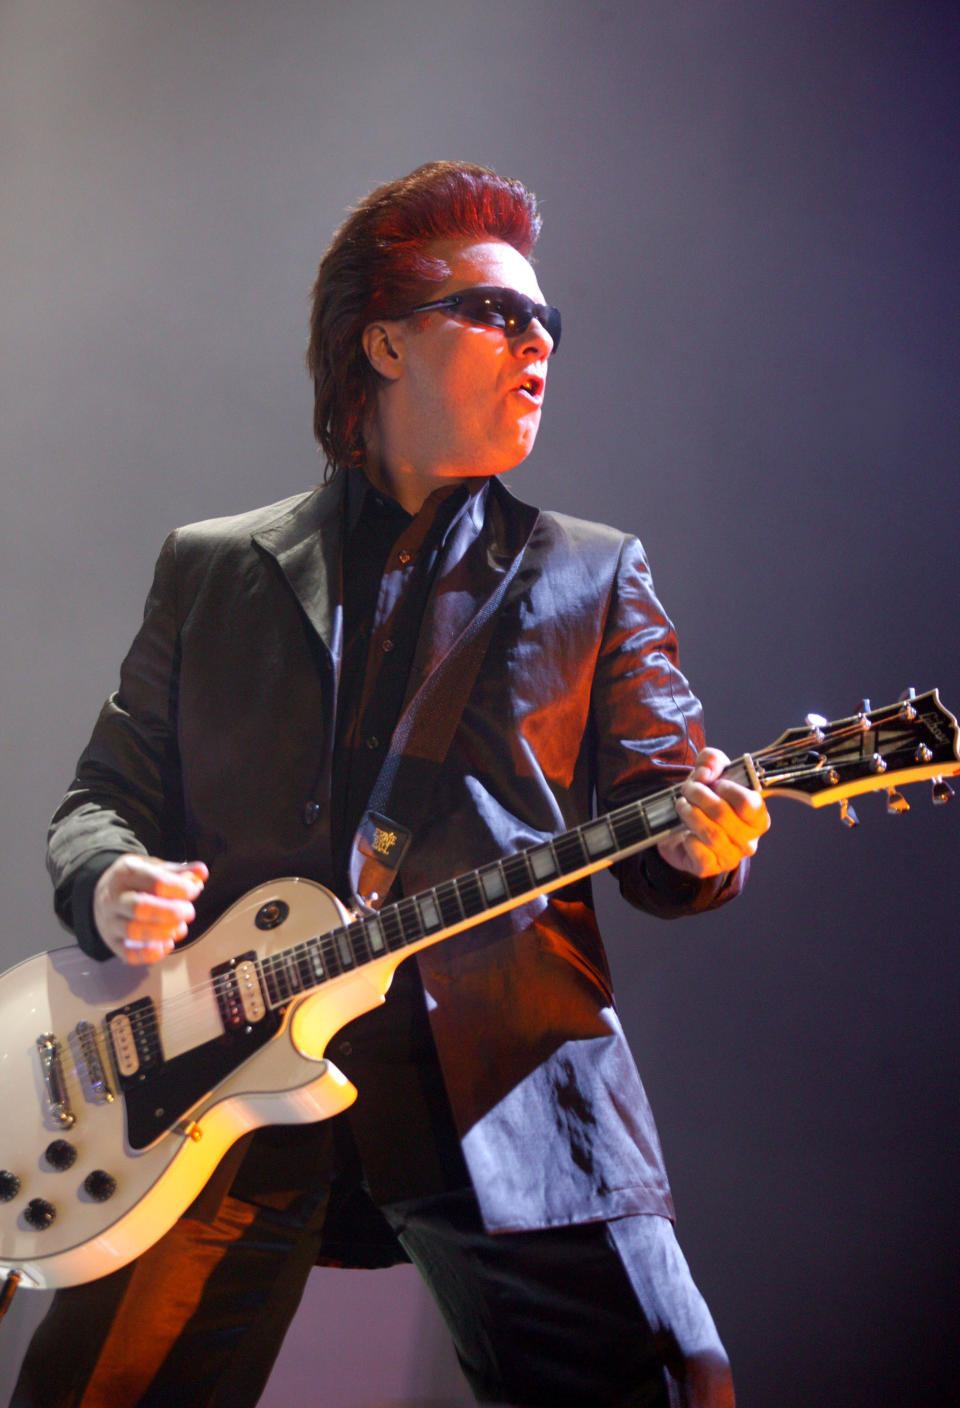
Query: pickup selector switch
[[60, 1155], [100, 1185], [39, 1213]]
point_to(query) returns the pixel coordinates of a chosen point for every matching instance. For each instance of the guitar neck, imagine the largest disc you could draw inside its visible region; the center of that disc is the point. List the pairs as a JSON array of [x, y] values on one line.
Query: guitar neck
[[817, 764], [502, 885]]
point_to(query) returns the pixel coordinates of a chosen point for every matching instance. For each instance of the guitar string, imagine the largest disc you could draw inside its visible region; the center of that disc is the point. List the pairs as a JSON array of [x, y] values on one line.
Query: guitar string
[[285, 964], [184, 1009], [181, 1011]]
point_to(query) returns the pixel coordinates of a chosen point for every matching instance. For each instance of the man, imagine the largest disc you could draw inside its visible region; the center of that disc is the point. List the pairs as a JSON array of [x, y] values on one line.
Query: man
[[524, 670]]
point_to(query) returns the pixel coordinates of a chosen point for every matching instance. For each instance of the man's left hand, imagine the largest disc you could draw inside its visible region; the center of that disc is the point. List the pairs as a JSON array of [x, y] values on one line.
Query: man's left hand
[[722, 821]]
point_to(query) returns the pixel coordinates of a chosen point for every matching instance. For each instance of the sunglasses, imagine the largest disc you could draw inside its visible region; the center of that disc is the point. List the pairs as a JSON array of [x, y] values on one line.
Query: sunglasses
[[502, 308]]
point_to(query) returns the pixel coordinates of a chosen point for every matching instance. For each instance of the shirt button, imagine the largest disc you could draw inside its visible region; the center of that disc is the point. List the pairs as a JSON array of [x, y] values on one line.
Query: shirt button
[[386, 646], [311, 810], [372, 742], [403, 557]]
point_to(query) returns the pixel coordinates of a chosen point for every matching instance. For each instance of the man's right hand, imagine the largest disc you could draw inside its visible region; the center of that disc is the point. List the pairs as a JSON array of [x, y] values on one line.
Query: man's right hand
[[142, 906]]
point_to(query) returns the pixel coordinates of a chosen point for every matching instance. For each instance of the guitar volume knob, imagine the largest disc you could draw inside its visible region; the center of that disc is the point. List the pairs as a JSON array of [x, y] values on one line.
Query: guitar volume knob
[[9, 1185], [60, 1155], [39, 1214], [100, 1185]]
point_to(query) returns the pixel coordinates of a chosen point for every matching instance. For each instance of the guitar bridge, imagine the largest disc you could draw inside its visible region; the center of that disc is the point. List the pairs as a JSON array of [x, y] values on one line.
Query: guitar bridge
[[89, 1063]]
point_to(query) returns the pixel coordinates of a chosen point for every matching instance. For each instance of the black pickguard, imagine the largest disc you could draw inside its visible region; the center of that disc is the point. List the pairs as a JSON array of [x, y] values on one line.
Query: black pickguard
[[155, 1100]]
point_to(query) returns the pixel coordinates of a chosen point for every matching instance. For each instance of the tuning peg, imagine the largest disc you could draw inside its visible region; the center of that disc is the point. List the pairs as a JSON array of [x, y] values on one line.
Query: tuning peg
[[847, 815], [816, 723], [908, 712], [896, 802], [942, 791]]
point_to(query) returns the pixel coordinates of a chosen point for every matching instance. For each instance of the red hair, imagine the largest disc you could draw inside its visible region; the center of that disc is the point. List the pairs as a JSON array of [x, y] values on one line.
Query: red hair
[[378, 266]]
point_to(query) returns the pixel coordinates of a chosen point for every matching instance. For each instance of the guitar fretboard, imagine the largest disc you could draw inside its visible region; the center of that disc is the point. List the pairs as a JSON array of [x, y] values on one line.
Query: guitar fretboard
[[457, 904]]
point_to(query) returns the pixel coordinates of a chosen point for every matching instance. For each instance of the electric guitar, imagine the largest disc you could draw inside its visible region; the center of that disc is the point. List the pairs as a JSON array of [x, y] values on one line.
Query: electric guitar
[[122, 1087]]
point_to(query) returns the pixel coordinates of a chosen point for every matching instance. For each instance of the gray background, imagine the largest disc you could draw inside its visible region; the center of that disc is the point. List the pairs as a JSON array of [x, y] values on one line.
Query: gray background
[[751, 227]]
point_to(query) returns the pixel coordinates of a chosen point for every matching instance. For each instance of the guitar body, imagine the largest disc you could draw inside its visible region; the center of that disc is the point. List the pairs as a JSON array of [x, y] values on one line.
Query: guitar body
[[170, 1120]]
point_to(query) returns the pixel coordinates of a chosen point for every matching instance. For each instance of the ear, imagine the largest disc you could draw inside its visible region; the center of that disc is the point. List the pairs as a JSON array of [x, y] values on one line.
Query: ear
[[383, 344]]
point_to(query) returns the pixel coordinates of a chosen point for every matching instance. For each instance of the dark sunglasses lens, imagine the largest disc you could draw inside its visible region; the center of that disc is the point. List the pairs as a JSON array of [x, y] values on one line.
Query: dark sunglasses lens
[[550, 317], [512, 312]]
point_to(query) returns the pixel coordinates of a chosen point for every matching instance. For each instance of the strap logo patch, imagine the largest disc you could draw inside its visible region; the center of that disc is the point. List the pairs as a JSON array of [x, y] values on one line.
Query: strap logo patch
[[384, 838]]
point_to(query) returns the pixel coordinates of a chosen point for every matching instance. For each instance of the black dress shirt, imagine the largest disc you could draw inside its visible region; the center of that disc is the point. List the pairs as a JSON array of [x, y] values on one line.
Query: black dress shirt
[[401, 1121]]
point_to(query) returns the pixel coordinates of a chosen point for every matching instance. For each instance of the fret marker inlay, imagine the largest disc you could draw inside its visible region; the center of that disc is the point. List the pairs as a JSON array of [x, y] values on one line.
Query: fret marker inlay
[[597, 838], [542, 863], [429, 913], [493, 886]]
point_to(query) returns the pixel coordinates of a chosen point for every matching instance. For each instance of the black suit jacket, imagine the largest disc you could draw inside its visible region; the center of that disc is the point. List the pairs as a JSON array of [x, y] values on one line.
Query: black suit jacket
[[218, 746]]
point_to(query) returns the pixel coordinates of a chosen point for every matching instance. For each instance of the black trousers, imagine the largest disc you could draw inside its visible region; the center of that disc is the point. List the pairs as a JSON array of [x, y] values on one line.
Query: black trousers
[[603, 1315]]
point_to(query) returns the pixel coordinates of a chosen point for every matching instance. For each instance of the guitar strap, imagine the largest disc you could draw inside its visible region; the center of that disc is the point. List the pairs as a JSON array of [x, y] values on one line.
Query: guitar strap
[[404, 787]]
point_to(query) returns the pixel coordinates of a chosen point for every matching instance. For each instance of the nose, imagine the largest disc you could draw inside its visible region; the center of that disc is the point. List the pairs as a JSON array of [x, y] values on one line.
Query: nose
[[535, 339]]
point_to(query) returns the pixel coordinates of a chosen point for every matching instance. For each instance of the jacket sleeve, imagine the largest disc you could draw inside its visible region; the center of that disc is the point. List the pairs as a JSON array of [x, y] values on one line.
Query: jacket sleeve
[[126, 795], [648, 730]]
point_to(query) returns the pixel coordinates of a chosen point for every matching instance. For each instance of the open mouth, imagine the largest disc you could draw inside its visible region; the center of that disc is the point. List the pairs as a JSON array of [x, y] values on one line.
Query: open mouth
[[532, 386]]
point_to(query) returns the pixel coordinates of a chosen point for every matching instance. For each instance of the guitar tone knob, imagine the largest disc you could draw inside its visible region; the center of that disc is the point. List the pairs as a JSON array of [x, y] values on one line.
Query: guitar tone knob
[[39, 1214], [9, 1185], [60, 1155], [100, 1185]]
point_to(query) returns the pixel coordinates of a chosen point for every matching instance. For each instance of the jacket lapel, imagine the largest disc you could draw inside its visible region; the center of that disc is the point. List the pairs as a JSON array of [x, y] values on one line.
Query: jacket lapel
[[305, 543]]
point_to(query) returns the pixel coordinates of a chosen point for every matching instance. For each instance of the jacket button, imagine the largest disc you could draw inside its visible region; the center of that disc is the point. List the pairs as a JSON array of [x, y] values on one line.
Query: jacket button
[[372, 742], [346, 1049], [311, 810]]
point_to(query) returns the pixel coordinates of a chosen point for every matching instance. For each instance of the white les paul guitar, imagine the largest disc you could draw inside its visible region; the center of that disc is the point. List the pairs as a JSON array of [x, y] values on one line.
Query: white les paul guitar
[[122, 1087]]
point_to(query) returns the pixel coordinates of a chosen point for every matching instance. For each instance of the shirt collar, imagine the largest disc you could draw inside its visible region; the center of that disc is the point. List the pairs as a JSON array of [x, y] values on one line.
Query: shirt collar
[[444, 506]]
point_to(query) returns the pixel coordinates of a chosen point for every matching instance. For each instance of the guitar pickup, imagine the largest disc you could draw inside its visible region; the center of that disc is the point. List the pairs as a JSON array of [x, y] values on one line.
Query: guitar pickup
[[135, 1040], [239, 993]]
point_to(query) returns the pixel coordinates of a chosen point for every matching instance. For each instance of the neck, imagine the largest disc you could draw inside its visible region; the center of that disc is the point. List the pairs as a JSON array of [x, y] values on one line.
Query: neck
[[404, 481]]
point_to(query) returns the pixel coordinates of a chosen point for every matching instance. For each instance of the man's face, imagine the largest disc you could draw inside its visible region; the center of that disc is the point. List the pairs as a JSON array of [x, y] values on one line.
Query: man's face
[[469, 398]]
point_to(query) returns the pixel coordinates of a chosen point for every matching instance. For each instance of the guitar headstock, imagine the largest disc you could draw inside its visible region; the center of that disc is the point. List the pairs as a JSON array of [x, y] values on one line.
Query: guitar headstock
[[872, 750]]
